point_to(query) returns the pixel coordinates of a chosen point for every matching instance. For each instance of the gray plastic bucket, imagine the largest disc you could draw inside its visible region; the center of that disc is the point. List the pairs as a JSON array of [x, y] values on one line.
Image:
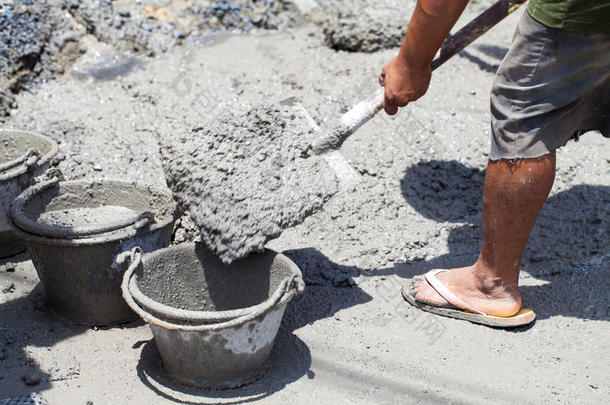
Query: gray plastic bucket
[[75, 230], [23, 155], [214, 324]]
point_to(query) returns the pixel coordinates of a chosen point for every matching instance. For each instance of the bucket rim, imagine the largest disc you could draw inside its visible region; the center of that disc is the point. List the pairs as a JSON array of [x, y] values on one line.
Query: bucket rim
[[286, 291], [203, 316], [20, 169], [129, 231]]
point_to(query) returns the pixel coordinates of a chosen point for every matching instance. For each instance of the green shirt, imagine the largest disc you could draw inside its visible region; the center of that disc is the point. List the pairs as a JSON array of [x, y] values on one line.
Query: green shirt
[[589, 16]]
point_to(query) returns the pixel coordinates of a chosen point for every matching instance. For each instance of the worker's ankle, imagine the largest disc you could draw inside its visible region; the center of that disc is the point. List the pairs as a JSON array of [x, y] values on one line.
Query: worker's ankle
[[493, 285]]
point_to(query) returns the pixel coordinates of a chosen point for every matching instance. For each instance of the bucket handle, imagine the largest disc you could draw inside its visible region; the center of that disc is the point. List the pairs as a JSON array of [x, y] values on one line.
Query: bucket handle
[[22, 221], [29, 159], [287, 291], [135, 256]]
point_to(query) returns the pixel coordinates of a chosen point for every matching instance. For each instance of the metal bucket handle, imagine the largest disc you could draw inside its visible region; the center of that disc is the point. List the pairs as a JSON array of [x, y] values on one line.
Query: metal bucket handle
[[22, 221], [29, 160], [288, 288]]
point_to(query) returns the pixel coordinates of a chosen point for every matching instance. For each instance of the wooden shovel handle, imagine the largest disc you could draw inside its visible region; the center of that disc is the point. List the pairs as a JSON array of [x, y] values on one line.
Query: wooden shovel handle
[[474, 29]]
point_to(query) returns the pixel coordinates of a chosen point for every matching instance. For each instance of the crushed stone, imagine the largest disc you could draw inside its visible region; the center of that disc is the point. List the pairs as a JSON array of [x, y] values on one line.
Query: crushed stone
[[37, 42], [366, 26], [362, 26], [40, 40], [152, 28]]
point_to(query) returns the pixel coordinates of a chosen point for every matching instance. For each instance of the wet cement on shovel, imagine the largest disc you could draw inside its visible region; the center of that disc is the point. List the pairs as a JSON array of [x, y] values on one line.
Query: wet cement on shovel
[[245, 179]]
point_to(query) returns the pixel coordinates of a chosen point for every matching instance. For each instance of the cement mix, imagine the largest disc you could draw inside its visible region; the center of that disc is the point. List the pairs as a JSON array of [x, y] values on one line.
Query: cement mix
[[245, 179], [350, 339], [78, 217]]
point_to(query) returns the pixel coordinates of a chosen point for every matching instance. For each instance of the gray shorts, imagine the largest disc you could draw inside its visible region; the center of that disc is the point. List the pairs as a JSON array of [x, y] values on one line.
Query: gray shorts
[[553, 85]]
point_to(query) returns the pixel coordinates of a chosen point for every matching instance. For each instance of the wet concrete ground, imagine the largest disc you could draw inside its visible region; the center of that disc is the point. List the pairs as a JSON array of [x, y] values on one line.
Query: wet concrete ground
[[350, 338]]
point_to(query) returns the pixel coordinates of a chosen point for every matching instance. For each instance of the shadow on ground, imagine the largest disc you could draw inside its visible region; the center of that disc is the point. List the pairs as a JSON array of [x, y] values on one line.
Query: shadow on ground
[[567, 248], [26, 322], [324, 296], [494, 52]]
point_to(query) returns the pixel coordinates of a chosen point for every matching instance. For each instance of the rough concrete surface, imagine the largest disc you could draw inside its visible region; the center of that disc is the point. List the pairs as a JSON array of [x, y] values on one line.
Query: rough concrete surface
[[244, 179], [360, 26], [350, 338]]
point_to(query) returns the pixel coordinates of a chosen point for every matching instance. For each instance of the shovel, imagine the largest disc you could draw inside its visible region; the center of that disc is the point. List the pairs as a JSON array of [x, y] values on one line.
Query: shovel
[[365, 110], [238, 209]]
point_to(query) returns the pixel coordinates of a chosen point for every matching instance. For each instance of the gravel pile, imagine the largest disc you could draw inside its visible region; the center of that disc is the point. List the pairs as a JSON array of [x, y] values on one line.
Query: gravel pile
[[153, 27], [41, 39], [36, 44], [364, 26]]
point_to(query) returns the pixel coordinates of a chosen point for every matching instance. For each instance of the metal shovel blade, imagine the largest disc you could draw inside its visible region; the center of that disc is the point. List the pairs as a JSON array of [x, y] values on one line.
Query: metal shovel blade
[[347, 176]]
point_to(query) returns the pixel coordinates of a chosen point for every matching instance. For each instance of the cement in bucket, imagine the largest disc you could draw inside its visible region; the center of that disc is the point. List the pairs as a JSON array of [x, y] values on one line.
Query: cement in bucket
[[200, 343], [23, 155], [74, 231]]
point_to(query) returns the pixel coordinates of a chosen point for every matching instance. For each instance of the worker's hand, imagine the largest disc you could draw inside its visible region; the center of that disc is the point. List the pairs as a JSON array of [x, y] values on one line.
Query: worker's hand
[[403, 83]]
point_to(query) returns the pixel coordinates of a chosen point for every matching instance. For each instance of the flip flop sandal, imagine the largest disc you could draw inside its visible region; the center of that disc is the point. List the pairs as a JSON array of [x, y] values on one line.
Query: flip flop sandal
[[459, 309]]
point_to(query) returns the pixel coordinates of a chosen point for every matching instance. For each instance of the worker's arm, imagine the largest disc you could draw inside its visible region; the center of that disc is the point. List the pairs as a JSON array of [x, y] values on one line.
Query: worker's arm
[[407, 76]]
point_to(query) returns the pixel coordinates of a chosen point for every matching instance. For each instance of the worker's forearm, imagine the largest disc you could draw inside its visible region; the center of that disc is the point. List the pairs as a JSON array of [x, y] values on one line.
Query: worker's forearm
[[430, 23]]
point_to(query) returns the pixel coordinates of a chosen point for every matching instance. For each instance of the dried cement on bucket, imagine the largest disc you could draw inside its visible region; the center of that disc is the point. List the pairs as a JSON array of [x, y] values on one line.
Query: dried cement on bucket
[[245, 179], [82, 216]]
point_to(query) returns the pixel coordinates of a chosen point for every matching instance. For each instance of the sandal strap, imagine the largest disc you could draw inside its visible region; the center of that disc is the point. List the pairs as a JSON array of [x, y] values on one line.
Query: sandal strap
[[444, 292]]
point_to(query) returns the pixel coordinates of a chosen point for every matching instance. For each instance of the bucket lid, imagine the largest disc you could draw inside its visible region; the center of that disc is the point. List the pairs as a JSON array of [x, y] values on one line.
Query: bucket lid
[[22, 151]]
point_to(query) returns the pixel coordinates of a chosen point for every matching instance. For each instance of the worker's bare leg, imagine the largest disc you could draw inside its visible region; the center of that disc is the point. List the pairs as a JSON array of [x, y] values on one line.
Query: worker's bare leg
[[514, 194]]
